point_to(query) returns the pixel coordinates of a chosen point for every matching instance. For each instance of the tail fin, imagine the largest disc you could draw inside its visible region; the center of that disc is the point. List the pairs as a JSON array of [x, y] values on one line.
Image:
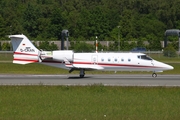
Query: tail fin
[[24, 51]]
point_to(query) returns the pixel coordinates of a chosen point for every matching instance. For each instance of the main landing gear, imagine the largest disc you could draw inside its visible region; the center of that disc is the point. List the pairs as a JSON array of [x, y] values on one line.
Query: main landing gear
[[154, 75], [82, 73]]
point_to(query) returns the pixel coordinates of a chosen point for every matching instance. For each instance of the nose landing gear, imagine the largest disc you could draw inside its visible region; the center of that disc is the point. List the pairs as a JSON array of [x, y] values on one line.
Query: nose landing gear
[[154, 75]]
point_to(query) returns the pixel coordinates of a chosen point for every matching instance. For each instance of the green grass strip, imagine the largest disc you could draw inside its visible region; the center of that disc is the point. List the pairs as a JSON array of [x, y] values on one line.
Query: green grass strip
[[94, 102]]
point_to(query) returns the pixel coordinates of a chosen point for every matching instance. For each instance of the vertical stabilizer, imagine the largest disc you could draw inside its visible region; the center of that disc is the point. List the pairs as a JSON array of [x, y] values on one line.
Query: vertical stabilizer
[[24, 51]]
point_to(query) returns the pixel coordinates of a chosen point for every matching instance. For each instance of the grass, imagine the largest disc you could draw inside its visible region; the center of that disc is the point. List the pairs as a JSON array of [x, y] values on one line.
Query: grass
[[94, 102], [35, 68], [6, 56]]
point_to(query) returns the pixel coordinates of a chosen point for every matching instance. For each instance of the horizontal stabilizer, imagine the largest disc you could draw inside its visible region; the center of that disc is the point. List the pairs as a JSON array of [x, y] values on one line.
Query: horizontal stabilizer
[[23, 62], [21, 58]]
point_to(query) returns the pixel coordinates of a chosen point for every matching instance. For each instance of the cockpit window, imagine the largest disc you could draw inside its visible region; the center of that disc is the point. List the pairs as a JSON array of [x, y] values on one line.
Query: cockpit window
[[144, 57]]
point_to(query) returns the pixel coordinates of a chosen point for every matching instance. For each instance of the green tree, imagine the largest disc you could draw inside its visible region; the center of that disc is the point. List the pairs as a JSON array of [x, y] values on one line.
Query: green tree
[[5, 46], [31, 16], [53, 46], [2, 27], [83, 47], [169, 51], [154, 43], [45, 45], [57, 22], [85, 19]]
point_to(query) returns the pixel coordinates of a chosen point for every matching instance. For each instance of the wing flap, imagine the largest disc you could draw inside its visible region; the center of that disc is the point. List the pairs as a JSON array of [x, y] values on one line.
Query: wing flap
[[82, 66], [87, 66]]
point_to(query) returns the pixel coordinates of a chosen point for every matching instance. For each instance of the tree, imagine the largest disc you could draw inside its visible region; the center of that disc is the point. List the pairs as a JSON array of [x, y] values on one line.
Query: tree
[[45, 45], [85, 19], [154, 43], [2, 27], [5, 46], [57, 22], [83, 47], [169, 51], [31, 16]]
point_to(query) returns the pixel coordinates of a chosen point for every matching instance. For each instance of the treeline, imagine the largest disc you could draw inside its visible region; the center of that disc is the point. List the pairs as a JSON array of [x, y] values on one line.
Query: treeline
[[113, 20]]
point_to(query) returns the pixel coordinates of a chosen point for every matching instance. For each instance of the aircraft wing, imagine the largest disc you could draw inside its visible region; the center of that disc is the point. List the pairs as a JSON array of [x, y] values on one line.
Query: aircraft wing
[[87, 66], [82, 66]]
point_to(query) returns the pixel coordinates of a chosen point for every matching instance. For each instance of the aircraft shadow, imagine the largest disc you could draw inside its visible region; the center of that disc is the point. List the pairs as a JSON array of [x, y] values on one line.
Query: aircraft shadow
[[71, 77]]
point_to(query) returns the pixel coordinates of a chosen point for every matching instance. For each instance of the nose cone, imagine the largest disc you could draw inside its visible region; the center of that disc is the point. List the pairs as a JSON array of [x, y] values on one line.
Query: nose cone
[[163, 66], [169, 67]]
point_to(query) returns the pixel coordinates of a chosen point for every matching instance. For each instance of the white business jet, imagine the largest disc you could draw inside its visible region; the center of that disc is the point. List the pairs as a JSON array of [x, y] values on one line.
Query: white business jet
[[25, 52]]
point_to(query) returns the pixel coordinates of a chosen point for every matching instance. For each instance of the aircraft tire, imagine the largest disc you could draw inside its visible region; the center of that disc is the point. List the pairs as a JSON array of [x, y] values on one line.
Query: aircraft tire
[[81, 76], [154, 75]]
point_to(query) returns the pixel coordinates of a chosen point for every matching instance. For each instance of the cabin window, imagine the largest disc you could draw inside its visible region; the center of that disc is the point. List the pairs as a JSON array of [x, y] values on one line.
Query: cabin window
[[102, 59], [122, 59], [115, 59], [129, 59], [109, 59]]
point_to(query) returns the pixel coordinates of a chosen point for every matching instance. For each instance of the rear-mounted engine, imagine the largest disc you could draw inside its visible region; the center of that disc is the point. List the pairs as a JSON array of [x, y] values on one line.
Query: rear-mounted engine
[[60, 55]]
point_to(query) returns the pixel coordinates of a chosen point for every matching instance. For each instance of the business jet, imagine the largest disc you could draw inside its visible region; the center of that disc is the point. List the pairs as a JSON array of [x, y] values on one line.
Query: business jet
[[25, 52]]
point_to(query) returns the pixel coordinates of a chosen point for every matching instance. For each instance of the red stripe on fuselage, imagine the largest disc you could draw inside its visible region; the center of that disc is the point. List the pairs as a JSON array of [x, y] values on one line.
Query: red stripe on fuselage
[[104, 64], [116, 65]]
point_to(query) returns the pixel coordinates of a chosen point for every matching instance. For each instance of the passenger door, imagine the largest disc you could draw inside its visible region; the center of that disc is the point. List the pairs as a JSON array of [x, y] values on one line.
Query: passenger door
[[94, 59]]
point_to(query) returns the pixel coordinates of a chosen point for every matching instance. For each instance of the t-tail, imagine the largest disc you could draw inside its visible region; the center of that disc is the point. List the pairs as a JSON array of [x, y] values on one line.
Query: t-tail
[[24, 51]]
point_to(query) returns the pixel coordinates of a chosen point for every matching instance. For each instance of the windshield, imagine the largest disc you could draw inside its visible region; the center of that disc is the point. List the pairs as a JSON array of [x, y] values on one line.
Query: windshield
[[144, 57]]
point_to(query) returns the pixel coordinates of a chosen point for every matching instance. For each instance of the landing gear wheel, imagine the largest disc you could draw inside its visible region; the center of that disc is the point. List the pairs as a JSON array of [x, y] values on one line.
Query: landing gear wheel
[[154, 75], [81, 76], [82, 73]]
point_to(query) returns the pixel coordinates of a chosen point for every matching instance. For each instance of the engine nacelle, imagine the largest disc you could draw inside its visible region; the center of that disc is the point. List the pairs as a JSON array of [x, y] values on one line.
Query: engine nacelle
[[60, 55]]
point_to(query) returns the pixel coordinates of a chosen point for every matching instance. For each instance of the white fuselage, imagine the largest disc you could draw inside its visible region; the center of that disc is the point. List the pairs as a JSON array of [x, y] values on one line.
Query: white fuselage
[[114, 62]]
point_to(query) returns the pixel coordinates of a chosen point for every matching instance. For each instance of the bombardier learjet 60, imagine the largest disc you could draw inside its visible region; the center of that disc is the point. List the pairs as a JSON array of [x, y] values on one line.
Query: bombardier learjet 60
[[25, 52]]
